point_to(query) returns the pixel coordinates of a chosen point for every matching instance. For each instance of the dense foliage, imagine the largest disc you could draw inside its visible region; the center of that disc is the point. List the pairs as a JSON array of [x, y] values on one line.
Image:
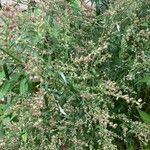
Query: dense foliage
[[70, 80]]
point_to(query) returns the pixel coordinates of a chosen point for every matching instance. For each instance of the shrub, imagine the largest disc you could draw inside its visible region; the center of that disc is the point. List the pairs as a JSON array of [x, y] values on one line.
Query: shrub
[[72, 82]]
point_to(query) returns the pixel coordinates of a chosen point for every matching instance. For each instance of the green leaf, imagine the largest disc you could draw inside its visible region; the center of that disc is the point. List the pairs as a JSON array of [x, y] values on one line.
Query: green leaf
[[1, 109], [2, 132], [63, 77], [4, 20], [146, 79], [5, 89], [144, 116], [8, 85], [147, 147], [24, 137], [54, 32], [2, 74], [24, 86], [132, 147], [6, 119]]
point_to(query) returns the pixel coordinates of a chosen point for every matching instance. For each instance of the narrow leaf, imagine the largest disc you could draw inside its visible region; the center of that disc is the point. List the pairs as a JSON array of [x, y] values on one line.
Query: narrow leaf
[[5, 89], [61, 110], [63, 77], [144, 116], [1, 131], [2, 74], [8, 85], [24, 86]]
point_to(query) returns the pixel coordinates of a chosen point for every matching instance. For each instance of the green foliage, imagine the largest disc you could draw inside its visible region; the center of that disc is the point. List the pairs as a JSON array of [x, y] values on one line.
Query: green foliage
[[145, 117], [68, 81]]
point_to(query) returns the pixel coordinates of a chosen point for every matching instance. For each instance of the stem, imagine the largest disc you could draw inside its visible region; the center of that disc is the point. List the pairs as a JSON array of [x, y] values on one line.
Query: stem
[[6, 52]]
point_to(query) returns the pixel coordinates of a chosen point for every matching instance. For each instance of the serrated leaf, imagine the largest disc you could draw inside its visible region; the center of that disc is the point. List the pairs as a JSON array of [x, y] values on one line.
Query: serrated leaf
[[144, 116]]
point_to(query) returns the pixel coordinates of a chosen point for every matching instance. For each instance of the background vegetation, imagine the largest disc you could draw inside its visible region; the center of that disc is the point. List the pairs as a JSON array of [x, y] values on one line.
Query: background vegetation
[[74, 80]]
